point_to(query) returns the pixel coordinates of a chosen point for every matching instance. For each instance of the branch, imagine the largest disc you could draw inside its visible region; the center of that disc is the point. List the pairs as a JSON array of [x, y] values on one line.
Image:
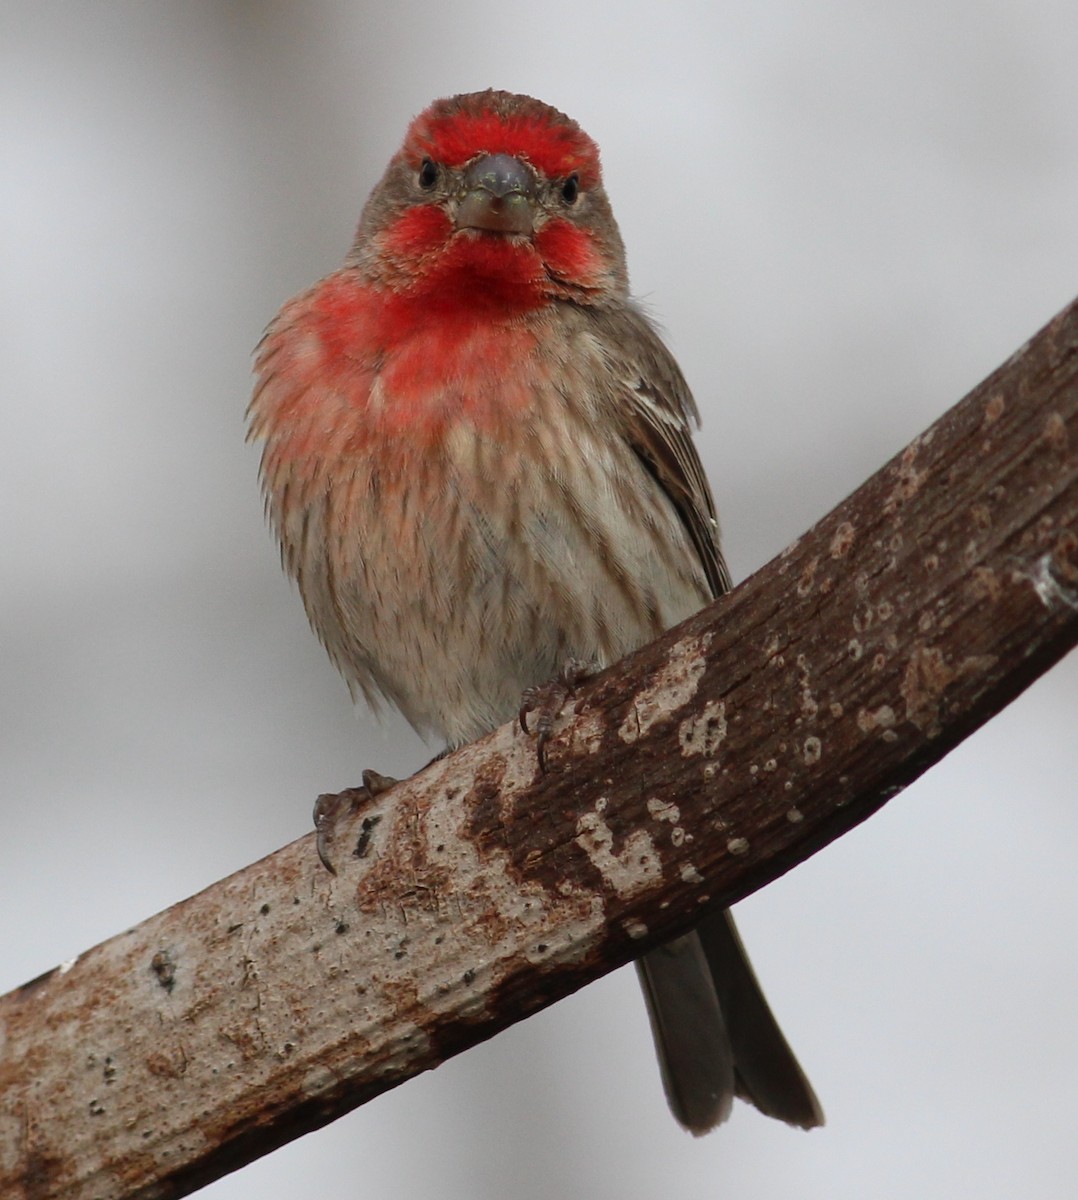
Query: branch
[[480, 890]]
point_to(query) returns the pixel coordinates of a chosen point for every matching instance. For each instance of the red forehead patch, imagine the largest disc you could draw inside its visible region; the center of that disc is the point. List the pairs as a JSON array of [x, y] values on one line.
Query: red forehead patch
[[454, 135]]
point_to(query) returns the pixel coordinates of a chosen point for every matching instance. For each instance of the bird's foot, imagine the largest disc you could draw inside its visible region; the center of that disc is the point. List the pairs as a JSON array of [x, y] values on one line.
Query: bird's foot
[[546, 701], [330, 807]]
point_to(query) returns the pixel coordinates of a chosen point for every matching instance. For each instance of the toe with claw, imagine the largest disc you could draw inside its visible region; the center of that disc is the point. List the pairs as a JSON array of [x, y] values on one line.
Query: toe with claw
[[546, 701], [330, 807]]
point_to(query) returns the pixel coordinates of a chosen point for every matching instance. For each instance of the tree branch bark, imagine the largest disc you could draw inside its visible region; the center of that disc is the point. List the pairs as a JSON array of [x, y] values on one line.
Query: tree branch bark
[[480, 890]]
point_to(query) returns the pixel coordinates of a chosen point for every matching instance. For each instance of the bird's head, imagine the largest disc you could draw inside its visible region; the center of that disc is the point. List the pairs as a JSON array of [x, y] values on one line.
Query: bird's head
[[493, 199]]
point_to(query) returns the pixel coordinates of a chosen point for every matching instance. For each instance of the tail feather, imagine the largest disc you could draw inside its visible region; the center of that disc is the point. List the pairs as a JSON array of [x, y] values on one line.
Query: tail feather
[[768, 1073], [715, 1034], [695, 1059]]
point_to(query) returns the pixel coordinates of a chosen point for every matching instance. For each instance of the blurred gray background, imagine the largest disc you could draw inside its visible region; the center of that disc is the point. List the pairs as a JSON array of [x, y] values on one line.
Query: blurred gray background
[[845, 215]]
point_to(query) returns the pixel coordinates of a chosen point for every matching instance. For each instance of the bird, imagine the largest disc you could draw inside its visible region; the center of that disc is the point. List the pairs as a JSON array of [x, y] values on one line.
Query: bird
[[477, 457]]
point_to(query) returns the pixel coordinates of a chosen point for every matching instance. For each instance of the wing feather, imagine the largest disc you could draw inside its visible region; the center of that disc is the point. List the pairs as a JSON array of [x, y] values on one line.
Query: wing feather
[[659, 413]]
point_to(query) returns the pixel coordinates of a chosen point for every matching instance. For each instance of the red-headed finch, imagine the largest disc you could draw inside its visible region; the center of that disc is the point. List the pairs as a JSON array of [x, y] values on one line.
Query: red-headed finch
[[477, 458]]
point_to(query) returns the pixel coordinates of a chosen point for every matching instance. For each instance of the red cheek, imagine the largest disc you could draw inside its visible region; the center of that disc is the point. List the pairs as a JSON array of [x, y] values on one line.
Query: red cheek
[[570, 253], [417, 232]]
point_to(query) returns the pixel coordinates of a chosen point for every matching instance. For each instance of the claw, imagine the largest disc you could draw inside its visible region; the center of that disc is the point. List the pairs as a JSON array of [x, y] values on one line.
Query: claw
[[548, 699], [377, 784], [331, 806]]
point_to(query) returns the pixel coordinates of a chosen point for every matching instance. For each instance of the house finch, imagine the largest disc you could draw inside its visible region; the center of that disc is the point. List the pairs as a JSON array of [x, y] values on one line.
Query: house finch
[[478, 462]]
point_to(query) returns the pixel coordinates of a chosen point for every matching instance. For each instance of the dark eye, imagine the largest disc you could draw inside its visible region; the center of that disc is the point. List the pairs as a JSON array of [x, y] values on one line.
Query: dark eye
[[428, 174], [570, 189]]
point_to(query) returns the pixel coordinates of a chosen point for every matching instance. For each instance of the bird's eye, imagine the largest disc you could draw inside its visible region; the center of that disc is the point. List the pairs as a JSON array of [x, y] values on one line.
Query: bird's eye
[[570, 189], [428, 174]]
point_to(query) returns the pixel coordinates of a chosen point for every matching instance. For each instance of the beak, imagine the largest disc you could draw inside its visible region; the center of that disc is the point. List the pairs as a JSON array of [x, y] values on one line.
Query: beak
[[499, 192]]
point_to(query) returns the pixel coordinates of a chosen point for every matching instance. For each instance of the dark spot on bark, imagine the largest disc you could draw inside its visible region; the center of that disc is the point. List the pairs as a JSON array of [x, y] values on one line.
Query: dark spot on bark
[[165, 969], [39, 1173], [366, 829]]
